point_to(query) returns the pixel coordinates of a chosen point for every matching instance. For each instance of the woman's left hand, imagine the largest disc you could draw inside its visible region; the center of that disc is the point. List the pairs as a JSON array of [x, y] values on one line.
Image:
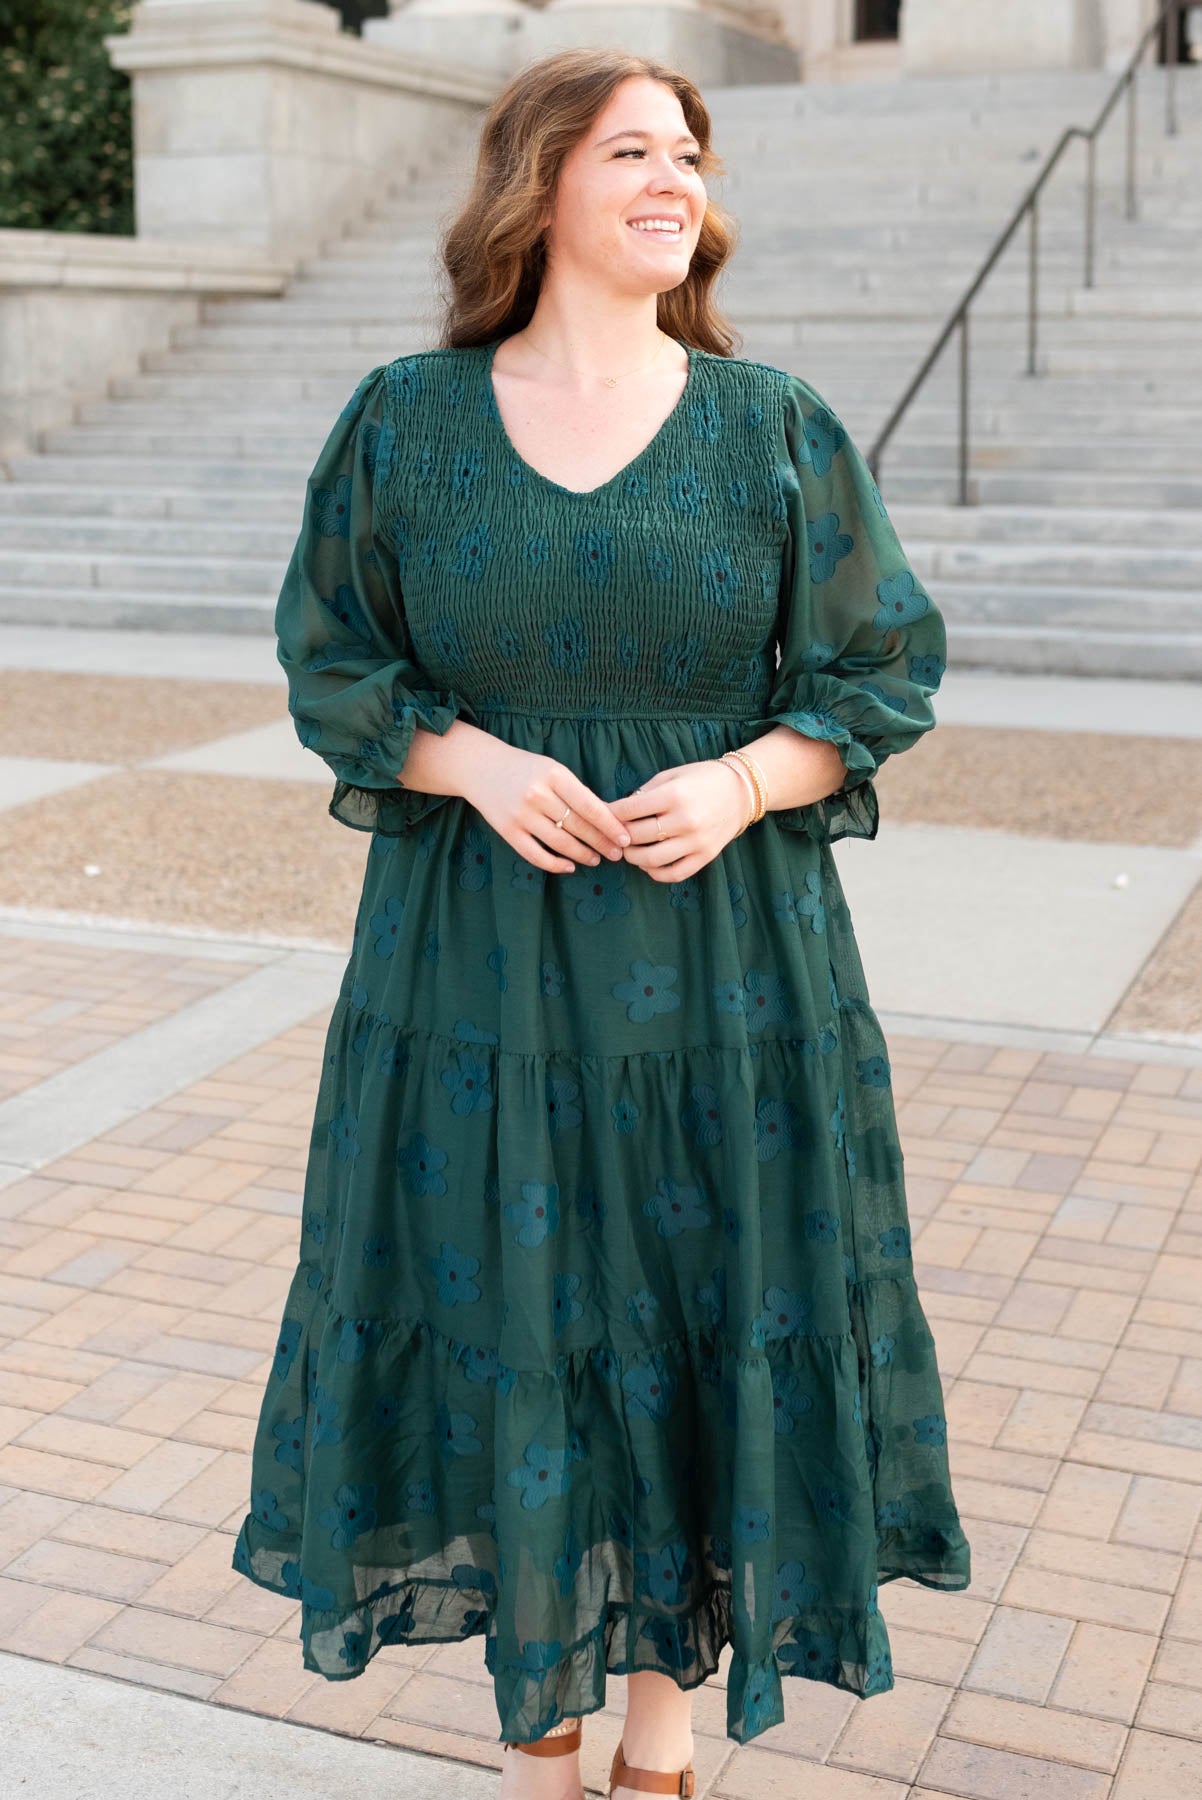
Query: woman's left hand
[[701, 806]]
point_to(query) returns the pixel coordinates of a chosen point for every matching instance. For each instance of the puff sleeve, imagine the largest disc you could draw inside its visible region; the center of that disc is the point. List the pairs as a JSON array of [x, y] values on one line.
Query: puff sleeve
[[355, 691], [862, 647]]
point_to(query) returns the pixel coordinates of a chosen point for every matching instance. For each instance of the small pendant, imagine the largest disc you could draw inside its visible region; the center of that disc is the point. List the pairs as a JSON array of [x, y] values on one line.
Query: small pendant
[[610, 380]]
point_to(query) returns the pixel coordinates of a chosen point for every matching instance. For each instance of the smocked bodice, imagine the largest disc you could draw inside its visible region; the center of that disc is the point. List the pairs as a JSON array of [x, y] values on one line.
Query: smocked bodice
[[662, 583]]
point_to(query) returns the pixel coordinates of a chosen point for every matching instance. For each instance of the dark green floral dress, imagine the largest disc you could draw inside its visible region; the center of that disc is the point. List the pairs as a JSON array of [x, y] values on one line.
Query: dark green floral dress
[[603, 1342]]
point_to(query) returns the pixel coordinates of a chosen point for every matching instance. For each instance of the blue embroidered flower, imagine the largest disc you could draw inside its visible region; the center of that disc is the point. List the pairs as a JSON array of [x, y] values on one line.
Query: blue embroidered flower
[[357, 1337], [377, 1252], [543, 1472], [386, 927], [902, 601], [473, 859], [352, 1514], [659, 562], [928, 671], [874, 1071], [649, 1387], [676, 1207], [550, 980], [455, 1432], [711, 1295], [473, 550], [332, 509], [266, 1509], [664, 1574], [679, 659], [784, 1313], [738, 493], [287, 1340], [720, 577], [419, 1496], [820, 1224], [777, 1127], [701, 1116], [568, 1561], [641, 1306], [455, 1269], [827, 545], [447, 642], [326, 1429], [882, 1348], [789, 1399], [344, 1129], [565, 1307], [750, 1524], [648, 992], [823, 438], [469, 1085], [686, 490], [635, 485], [422, 1163], [594, 555], [767, 1000], [670, 1644], [536, 1214], [564, 1111], [598, 893], [894, 1240], [791, 1592], [625, 1115], [931, 1429]]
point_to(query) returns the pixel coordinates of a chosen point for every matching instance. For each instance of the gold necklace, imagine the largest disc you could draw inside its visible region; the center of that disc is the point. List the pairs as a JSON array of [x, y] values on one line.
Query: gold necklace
[[609, 380]]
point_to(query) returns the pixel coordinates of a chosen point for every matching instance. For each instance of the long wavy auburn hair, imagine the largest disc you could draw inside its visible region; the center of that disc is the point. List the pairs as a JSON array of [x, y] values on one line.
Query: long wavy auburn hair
[[493, 252]]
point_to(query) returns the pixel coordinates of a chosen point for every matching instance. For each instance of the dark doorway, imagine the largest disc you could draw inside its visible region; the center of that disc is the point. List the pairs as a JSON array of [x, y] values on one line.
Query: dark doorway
[[877, 19]]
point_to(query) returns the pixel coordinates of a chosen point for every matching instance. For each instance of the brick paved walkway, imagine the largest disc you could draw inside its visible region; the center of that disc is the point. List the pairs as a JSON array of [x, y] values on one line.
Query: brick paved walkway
[[1057, 1210]]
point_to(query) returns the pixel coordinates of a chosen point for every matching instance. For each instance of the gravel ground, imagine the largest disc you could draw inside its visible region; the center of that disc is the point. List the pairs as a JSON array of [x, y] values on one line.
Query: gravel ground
[[105, 718], [247, 855]]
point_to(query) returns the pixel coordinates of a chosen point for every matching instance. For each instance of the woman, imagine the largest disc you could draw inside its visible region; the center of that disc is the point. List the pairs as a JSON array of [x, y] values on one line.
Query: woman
[[603, 1342]]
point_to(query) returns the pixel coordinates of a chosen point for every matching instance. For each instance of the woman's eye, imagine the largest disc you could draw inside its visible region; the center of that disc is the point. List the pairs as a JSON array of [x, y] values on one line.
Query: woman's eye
[[691, 156]]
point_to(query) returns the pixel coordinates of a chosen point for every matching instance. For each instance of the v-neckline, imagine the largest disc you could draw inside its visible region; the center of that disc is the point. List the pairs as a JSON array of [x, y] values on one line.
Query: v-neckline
[[588, 493]]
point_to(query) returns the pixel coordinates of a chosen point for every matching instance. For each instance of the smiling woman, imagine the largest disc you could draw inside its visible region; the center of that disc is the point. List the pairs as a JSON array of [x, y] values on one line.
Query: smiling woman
[[603, 1343]]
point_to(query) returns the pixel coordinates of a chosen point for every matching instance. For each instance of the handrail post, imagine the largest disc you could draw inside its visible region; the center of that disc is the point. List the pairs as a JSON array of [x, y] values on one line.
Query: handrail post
[[1131, 144], [1170, 74], [1091, 200], [1033, 286], [964, 408]]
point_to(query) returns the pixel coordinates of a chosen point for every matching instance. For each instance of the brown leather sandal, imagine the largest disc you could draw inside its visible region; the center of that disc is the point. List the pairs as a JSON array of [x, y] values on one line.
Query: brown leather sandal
[[555, 1742], [650, 1781]]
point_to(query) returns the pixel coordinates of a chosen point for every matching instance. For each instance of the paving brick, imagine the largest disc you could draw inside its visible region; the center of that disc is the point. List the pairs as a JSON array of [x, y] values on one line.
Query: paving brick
[[1159, 1513], [1156, 1764], [755, 1774], [57, 1628], [1048, 1732], [982, 1773], [1120, 1565], [1169, 1708], [1020, 1654], [187, 1643], [892, 1736], [1104, 1672]]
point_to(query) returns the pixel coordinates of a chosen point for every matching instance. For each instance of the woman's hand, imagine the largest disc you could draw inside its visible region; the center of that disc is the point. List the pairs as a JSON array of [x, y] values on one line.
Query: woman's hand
[[523, 794], [701, 806]]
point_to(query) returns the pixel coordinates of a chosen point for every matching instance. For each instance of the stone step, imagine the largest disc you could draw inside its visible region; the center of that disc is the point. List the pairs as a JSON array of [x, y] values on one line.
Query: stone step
[[1130, 610], [1067, 650], [218, 575], [154, 450], [249, 614]]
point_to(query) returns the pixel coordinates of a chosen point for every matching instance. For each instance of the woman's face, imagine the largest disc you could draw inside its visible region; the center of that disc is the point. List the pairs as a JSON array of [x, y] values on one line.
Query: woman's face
[[638, 160]]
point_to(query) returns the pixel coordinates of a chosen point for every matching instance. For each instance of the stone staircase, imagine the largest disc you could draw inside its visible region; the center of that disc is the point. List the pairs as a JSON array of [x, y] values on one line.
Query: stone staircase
[[864, 209]]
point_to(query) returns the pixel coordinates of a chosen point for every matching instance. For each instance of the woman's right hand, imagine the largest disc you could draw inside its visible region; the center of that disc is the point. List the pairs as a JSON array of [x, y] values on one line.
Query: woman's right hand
[[523, 794]]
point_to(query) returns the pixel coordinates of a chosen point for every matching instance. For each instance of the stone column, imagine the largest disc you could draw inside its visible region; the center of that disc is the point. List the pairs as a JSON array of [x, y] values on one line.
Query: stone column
[[725, 43], [963, 37], [262, 122], [485, 34]]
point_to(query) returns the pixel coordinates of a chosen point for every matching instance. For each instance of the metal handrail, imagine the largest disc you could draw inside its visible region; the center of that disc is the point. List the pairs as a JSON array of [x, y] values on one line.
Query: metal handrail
[[1170, 10]]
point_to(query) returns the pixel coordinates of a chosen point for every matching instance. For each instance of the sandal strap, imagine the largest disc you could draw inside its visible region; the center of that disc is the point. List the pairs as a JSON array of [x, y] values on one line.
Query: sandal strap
[[562, 1744], [651, 1781]]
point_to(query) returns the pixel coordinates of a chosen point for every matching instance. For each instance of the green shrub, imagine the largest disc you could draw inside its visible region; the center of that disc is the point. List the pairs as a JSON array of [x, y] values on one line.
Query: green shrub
[[66, 134]]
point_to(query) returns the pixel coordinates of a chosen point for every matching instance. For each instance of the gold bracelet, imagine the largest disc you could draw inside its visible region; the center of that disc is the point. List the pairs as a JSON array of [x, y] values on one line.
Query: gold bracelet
[[746, 782], [757, 776]]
